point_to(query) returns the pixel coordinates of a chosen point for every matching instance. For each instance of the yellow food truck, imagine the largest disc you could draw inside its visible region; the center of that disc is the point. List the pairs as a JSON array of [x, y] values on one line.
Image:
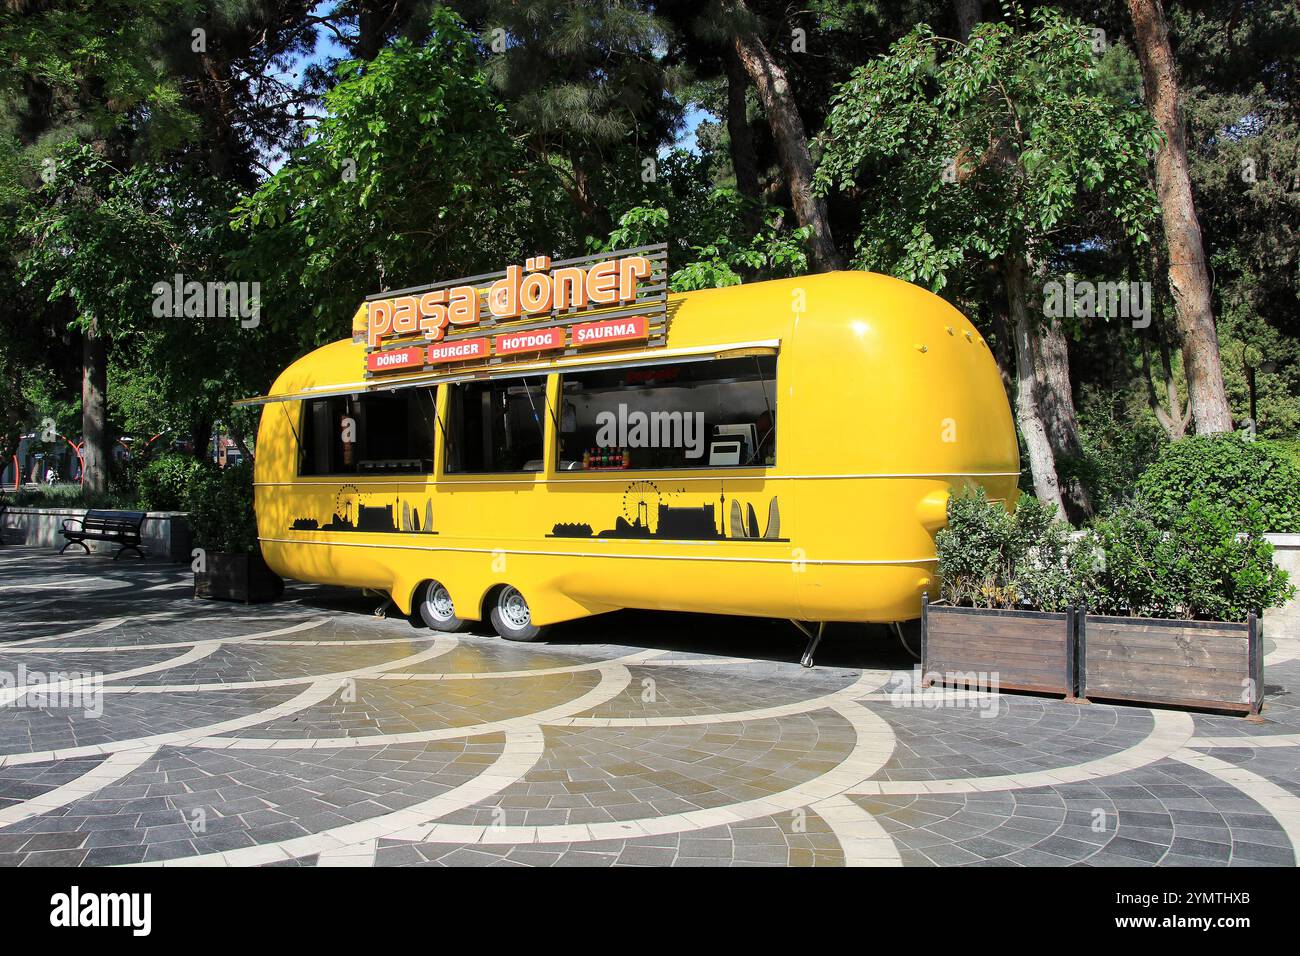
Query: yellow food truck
[[566, 438]]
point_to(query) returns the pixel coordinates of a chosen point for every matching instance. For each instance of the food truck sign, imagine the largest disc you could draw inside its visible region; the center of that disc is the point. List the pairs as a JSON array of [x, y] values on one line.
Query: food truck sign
[[538, 309]]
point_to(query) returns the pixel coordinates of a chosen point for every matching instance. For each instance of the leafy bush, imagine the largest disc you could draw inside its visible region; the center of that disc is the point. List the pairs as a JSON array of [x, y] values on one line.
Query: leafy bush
[[1231, 472], [68, 495], [1205, 564], [989, 557], [1287, 448], [163, 483], [220, 504]]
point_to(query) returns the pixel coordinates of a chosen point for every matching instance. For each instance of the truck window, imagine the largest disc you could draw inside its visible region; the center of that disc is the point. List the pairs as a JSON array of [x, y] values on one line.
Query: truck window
[[375, 433], [714, 413], [496, 427]]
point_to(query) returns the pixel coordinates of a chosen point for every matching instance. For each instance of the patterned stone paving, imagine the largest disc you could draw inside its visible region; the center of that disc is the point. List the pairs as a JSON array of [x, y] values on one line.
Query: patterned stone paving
[[140, 727]]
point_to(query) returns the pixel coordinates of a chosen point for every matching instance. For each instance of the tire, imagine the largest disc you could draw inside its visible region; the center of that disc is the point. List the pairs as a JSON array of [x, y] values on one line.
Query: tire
[[436, 610], [512, 618]]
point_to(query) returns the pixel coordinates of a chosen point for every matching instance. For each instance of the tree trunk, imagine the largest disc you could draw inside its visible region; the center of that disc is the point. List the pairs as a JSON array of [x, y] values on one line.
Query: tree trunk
[[969, 13], [1056, 401], [240, 439], [201, 436], [374, 20], [1175, 420], [592, 211], [1003, 348], [94, 409], [743, 158], [791, 142], [1188, 276], [1042, 462]]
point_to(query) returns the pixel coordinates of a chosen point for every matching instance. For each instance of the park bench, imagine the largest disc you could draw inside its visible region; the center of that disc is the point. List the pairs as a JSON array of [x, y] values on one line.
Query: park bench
[[119, 527]]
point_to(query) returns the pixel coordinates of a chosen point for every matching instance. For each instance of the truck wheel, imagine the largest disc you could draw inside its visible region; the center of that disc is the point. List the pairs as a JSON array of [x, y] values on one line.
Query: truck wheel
[[512, 618], [436, 609]]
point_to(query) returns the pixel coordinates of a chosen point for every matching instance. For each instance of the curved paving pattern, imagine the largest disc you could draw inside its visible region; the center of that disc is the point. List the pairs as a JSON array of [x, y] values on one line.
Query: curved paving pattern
[[140, 727]]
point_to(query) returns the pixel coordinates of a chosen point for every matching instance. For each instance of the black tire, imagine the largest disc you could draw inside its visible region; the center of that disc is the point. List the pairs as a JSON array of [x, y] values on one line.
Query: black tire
[[433, 604], [512, 618]]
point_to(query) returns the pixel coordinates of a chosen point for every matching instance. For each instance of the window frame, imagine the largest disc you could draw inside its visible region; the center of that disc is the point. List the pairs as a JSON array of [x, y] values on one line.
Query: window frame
[[303, 424], [599, 475], [445, 427]]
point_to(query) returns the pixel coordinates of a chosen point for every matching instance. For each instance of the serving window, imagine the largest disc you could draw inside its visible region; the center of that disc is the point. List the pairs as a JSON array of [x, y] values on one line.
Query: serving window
[[714, 413], [374, 433], [496, 427]]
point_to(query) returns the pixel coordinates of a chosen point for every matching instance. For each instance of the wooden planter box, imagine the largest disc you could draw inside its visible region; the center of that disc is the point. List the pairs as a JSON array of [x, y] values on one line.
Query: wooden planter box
[[1027, 650], [238, 577], [1210, 664]]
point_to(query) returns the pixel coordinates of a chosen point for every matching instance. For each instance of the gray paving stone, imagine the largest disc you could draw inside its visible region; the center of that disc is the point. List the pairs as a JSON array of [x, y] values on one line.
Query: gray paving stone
[[1163, 812]]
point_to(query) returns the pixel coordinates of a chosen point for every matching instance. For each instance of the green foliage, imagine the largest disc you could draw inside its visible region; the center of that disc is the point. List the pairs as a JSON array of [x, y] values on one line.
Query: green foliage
[[220, 503], [1231, 472], [56, 54], [68, 495], [412, 174], [1205, 562], [164, 482], [1119, 442], [974, 151], [1288, 449], [736, 239], [990, 557]]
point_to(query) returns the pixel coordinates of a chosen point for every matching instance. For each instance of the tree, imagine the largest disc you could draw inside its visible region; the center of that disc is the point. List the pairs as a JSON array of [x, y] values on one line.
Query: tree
[[587, 85], [91, 70], [412, 175], [982, 153], [769, 79], [1189, 279], [1237, 68], [100, 241]]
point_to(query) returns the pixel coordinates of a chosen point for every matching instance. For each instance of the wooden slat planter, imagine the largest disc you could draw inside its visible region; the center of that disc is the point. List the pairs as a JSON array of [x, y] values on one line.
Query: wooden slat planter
[[238, 577], [1210, 664], [1026, 650]]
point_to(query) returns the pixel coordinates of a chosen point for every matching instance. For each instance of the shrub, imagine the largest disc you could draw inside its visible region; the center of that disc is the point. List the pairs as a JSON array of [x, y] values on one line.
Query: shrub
[[989, 557], [68, 496], [162, 484], [220, 503], [1205, 563], [1287, 448], [1230, 472]]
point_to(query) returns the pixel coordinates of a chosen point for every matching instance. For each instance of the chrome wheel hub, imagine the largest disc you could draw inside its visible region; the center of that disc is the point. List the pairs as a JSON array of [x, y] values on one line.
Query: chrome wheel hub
[[438, 600], [514, 608]]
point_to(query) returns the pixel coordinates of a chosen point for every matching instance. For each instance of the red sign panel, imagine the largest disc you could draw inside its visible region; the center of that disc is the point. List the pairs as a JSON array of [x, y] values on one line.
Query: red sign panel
[[536, 340], [394, 360], [614, 330], [463, 350]]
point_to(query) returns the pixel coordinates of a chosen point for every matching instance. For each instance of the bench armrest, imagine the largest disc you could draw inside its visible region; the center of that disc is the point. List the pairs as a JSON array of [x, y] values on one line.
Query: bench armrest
[[79, 522]]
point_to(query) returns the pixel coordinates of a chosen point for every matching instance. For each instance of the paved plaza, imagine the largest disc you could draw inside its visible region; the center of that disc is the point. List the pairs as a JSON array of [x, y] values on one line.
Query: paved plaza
[[159, 729]]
